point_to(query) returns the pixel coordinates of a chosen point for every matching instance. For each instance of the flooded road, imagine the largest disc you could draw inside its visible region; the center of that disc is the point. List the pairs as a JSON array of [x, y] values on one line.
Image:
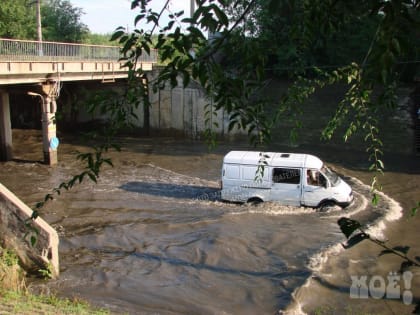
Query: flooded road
[[152, 236]]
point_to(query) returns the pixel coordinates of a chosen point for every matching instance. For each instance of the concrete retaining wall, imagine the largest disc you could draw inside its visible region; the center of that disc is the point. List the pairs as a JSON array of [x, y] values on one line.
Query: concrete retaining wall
[[179, 109], [15, 234], [184, 110]]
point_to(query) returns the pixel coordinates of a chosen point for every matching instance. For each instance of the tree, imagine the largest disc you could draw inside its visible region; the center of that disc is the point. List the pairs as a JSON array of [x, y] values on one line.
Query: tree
[[17, 19], [328, 40], [99, 39], [61, 22]]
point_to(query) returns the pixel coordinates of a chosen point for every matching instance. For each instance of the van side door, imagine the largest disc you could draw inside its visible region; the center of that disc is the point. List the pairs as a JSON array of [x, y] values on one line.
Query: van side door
[[286, 185], [315, 188]]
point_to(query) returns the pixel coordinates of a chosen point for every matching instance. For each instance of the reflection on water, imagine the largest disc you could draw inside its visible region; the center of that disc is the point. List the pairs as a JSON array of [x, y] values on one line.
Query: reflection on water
[[172, 190], [152, 236]]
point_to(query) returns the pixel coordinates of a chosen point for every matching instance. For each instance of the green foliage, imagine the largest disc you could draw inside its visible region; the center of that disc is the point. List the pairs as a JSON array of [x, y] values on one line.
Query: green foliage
[[11, 275], [61, 22], [99, 39], [47, 273], [24, 302], [415, 209], [232, 65], [262, 163], [8, 258], [17, 19], [59, 18], [231, 73]]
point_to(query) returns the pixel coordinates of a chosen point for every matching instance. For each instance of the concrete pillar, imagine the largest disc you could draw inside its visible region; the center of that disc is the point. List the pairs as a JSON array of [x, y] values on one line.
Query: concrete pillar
[[49, 131], [5, 127]]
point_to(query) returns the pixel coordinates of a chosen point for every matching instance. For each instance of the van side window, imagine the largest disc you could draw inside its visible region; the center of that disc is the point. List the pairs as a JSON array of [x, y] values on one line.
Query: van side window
[[286, 175], [315, 178], [232, 172]]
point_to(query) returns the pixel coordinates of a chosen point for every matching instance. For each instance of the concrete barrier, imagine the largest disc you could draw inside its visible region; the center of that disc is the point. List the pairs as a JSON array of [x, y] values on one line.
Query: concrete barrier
[[17, 235]]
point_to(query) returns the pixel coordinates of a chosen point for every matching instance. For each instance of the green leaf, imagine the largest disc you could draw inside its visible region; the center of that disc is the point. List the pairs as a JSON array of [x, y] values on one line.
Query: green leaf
[[92, 176], [146, 48], [348, 226], [223, 19], [33, 240], [138, 18], [375, 199], [34, 215], [415, 209], [117, 34]]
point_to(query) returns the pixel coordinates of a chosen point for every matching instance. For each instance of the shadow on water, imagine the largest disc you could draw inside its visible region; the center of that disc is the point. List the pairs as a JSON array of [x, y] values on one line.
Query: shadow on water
[[278, 274], [179, 191], [29, 161]]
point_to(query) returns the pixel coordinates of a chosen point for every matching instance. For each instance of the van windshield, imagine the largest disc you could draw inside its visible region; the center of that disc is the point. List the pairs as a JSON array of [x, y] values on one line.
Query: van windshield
[[332, 176]]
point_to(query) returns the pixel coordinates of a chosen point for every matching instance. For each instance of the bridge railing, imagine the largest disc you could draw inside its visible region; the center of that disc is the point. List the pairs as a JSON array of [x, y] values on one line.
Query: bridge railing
[[27, 50]]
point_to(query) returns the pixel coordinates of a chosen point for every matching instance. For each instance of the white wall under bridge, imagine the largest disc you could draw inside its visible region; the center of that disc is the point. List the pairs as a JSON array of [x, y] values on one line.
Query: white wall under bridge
[[178, 110], [188, 110]]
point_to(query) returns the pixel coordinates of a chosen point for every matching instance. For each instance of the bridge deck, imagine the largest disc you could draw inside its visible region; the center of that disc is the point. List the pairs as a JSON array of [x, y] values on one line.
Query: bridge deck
[[34, 62]]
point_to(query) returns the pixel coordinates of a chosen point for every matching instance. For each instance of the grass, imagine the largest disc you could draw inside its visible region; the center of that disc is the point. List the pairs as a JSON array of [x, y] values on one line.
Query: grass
[[13, 302], [15, 298]]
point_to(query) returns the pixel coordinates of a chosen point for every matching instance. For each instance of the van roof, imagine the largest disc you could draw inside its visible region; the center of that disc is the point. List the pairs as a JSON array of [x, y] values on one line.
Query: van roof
[[273, 159]]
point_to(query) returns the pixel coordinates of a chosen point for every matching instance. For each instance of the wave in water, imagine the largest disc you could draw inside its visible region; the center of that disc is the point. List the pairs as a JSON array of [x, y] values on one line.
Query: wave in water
[[375, 229]]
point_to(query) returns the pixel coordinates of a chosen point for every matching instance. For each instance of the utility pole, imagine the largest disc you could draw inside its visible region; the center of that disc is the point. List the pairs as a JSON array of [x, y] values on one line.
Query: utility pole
[[192, 8], [39, 27]]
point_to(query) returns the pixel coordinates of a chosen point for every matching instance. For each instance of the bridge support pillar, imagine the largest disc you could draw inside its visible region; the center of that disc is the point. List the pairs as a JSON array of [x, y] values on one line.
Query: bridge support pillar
[[48, 134], [5, 127], [49, 131]]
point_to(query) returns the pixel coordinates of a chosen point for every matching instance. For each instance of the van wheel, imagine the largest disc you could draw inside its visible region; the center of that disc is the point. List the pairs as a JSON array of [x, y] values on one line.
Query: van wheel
[[326, 205], [254, 201]]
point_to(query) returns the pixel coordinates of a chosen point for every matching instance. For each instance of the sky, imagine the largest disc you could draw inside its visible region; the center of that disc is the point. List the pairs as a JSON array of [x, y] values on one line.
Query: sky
[[104, 16]]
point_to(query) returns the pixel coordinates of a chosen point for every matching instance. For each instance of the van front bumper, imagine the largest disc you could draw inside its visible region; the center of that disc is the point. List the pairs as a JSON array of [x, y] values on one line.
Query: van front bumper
[[348, 202]]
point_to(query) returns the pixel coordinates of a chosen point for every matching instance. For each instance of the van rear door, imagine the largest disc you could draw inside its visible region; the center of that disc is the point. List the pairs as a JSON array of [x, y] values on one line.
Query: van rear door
[[286, 186]]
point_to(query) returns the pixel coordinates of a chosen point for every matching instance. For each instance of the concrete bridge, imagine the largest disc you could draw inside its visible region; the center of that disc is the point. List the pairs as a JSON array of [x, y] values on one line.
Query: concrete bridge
[[40, 68]]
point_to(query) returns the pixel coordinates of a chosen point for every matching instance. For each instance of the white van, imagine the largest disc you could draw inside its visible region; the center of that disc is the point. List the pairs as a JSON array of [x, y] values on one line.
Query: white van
[[288, 178]]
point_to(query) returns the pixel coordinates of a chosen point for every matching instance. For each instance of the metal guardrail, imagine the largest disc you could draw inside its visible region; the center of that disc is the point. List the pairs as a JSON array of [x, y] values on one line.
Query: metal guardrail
[[27, 50]]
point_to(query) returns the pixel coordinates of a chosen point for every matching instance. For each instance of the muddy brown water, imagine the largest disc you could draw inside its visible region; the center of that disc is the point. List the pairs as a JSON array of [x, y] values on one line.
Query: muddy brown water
[[152, 236]]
